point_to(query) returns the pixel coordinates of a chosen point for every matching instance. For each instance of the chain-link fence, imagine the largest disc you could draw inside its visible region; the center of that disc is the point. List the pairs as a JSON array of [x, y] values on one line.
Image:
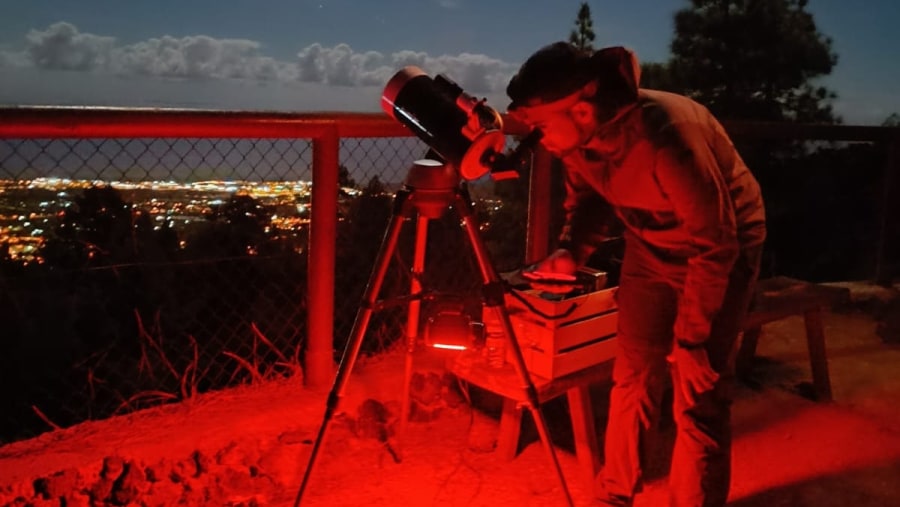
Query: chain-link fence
[[141, 271]]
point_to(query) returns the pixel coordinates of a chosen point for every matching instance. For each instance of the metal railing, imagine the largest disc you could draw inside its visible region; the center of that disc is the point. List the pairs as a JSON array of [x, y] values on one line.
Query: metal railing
[[887, 140], [325, 132]]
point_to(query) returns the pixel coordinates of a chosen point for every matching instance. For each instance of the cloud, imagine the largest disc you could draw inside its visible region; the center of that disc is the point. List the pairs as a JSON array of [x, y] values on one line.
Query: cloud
[[60, 65], [341, 66], [475, 72], [61, 46], [198, 56]]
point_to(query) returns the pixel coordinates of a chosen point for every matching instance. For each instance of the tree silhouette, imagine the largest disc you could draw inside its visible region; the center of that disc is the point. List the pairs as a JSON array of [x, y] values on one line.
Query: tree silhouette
[[101, 228], [235, 228], [753, 59], [238, 275], [367, 219], [659, 76], [99, 270], [106, 249], [344, 178], [582, 36]]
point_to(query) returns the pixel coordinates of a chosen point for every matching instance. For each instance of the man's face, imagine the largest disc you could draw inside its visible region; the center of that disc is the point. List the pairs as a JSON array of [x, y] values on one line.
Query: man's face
[[566, 124], [561, 133]]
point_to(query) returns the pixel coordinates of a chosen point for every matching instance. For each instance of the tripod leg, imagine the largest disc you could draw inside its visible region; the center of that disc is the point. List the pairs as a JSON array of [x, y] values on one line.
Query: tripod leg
[[412, 319], [494, 301], [354, 342]]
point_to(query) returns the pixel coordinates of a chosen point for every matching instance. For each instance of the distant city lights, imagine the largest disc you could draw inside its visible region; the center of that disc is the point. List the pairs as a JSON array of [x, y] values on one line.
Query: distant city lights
[[24, 222]]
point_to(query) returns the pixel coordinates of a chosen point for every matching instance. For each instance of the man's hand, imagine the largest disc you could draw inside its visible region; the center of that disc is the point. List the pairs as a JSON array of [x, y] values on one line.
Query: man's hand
[[561, 262], [554, 274], [695, 374]]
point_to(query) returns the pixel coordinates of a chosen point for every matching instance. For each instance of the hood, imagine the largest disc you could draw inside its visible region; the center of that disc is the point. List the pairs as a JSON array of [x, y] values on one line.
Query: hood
[[618, 75]]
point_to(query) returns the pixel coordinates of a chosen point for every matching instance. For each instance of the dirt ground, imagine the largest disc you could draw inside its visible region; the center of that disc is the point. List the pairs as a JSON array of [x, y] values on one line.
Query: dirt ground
[[250, 446]]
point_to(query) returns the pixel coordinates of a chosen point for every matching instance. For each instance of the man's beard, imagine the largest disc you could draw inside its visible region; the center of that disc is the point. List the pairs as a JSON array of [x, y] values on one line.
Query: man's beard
[[584, 135]]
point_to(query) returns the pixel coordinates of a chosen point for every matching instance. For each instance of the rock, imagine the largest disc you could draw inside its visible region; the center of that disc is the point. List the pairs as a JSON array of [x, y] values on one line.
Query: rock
[[112, 467], [426, 388], [419, 412], [283, 464], [57, 485], [163, 493], [130, 486], [374, 421], [76, 499], [156, 472], [202, 462], [100, 491], [182, 470], [235, 481]]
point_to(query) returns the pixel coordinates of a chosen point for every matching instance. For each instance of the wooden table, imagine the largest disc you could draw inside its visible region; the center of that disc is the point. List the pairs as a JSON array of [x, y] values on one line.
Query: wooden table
[[505, 382]]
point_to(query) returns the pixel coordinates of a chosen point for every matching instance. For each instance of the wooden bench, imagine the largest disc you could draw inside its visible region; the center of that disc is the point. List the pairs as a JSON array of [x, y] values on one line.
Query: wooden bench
[[506, 383], [781, 297]]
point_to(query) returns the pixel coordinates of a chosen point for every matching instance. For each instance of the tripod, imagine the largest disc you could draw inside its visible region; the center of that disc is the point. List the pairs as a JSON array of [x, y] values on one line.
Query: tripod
[[431, 187]]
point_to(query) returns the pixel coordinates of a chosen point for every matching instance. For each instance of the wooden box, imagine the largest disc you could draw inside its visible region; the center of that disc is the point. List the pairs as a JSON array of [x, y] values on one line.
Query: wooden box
[[558, 337]]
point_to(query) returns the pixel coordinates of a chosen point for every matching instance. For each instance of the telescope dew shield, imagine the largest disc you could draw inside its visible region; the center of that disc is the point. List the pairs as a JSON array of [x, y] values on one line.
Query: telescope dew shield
[[431, 108]]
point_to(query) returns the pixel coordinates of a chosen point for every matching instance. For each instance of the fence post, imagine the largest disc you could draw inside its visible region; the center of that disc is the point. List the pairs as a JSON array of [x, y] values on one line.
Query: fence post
[[886, 264], [319, 359], [537, 235]]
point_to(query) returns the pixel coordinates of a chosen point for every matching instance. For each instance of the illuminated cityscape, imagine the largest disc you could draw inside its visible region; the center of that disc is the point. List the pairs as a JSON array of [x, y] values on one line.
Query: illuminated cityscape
[[29, 209]]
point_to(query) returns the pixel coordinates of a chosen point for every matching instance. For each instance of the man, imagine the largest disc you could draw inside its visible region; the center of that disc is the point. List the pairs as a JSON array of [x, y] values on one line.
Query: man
[[694, 226]]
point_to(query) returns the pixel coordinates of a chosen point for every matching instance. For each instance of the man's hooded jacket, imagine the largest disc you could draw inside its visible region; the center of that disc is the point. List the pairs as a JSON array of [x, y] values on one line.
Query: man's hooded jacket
[[674, 180]]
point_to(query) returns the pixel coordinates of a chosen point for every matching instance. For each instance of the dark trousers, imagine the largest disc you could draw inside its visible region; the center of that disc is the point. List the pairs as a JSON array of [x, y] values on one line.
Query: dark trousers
[[701, 460]]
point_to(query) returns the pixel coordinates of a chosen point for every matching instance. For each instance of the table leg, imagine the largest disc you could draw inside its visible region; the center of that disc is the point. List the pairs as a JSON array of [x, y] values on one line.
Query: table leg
[[584, 432], [818, 360], [510, 427]]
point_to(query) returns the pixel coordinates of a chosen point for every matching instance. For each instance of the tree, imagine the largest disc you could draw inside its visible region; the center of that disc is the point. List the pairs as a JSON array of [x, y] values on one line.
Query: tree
[[753, 59], [235, 228], [582, 36], [344, 178], [101, 228], [658, 76]]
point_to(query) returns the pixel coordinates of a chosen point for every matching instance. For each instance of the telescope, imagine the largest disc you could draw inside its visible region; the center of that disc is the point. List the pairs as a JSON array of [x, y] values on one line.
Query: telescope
[[464, 131], [466, 139]]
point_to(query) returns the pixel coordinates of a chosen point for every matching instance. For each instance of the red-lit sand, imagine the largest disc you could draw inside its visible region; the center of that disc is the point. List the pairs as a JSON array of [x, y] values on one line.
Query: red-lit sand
[[249, 446]]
